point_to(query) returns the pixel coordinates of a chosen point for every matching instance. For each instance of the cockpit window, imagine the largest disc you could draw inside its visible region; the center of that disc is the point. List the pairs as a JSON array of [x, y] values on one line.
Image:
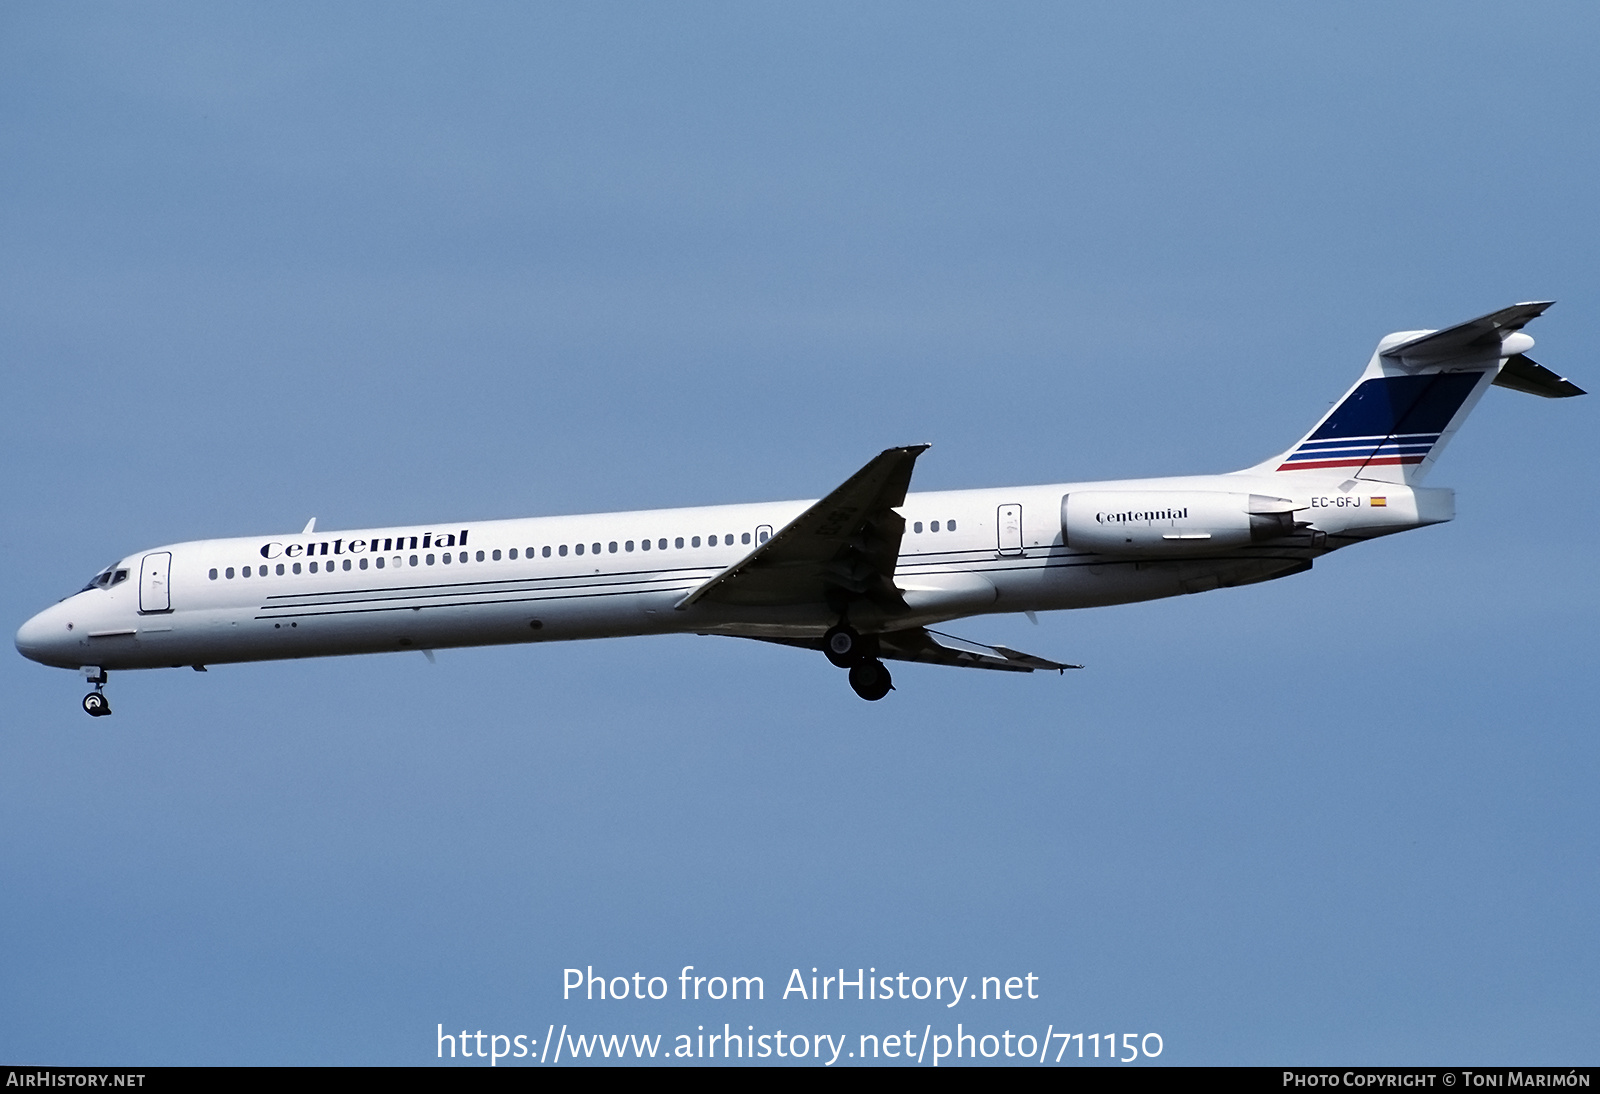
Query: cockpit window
[[105, 579]]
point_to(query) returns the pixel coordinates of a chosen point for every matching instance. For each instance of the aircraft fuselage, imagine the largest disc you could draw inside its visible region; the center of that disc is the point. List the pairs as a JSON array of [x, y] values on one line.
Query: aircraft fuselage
[[593, 576]]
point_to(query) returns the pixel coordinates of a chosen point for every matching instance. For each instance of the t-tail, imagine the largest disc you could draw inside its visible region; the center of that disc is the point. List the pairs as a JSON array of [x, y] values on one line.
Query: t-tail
[[1415, 393]]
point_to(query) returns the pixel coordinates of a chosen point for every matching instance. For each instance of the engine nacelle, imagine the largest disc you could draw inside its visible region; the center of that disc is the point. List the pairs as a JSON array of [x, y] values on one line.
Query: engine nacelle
[[1170, 522]]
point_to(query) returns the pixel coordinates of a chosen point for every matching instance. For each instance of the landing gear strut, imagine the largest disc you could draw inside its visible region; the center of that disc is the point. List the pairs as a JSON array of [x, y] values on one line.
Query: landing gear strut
[[95, 704]]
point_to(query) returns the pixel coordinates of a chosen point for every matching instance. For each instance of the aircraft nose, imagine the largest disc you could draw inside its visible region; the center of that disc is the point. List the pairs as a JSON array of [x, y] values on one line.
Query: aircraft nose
[[45, 637]]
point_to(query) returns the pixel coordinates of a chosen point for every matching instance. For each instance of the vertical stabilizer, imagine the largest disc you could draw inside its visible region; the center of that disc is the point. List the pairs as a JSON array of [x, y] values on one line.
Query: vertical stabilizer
[[1393, 424]]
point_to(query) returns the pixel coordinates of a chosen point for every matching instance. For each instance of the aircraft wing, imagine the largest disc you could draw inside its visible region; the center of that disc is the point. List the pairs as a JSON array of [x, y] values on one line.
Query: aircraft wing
[[935, 648], [843, 547]]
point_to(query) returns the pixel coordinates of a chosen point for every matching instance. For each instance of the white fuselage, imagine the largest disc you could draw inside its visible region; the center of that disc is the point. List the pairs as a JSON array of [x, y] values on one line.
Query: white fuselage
[[556, 578]]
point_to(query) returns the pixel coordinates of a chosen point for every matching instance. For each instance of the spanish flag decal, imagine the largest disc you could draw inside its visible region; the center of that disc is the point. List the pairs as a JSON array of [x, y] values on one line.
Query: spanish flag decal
[[1379, 503]]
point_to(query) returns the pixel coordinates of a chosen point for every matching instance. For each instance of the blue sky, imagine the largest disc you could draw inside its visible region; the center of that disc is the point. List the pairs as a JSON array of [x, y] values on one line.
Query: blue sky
[[384, 264]]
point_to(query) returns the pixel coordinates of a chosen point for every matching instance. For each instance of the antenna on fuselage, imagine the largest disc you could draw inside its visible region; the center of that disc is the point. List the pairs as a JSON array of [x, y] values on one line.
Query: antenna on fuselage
[[311, 526]]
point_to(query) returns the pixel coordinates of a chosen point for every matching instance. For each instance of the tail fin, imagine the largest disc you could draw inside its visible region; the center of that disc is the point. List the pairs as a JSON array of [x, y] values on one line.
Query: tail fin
[[1415, 393]]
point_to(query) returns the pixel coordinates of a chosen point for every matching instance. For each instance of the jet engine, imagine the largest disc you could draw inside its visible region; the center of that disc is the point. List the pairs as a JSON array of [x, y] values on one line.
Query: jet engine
[[1178, 522]]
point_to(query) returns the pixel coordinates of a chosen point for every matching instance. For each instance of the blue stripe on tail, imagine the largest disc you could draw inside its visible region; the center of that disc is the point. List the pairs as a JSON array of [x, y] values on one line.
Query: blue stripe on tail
[[1387, 420]]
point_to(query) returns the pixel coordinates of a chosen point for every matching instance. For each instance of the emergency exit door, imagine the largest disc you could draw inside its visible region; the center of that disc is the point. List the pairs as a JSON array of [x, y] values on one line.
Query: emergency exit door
[[1009, 529], [154, 580]]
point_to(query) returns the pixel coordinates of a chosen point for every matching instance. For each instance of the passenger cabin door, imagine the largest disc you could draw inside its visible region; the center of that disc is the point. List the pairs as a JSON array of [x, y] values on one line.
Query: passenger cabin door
[[1009, 527], [154, 579]]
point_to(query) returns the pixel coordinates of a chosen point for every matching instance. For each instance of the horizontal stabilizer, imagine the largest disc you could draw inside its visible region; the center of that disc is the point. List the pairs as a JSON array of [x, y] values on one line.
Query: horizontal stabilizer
[[1483, 332], [1523, 373]]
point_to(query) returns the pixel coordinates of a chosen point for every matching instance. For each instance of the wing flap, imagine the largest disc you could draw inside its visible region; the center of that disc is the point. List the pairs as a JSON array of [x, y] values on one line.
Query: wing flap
[[935, 648]]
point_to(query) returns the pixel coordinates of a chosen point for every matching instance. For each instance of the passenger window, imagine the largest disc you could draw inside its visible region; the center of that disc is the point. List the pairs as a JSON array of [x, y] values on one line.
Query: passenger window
[[496, 556], [949, 526], [347, 563], [245, 572], [430, 560], [448, 558], [296, 567], [612, 546], [934, 527], [695, 542], [213, 574], [765, 536], [313, 567], [413, 560], [378, 562], [513, 554], [363, 564], [917, 527], [546, 552], [528, 551], [480, 555], [711, 542], [280, 571], [644, 544], [745, 538], [579, 548], [562, 550], [628, 546], [596, 548]]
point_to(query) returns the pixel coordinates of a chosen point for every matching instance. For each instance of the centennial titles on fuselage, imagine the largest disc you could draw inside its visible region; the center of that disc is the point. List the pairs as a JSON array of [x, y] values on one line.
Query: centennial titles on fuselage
[[341, 546]]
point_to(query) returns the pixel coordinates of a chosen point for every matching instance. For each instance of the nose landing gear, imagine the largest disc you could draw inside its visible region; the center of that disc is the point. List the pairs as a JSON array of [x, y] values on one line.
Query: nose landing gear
[[95, 704], [848, 649]]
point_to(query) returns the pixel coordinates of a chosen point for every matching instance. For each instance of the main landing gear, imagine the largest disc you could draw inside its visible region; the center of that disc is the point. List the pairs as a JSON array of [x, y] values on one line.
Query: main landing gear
[[95, 704], [850, 650]]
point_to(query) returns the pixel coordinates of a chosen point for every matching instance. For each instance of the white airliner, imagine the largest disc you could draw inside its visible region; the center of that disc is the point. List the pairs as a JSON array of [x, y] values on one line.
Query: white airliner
[[861, 575]]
